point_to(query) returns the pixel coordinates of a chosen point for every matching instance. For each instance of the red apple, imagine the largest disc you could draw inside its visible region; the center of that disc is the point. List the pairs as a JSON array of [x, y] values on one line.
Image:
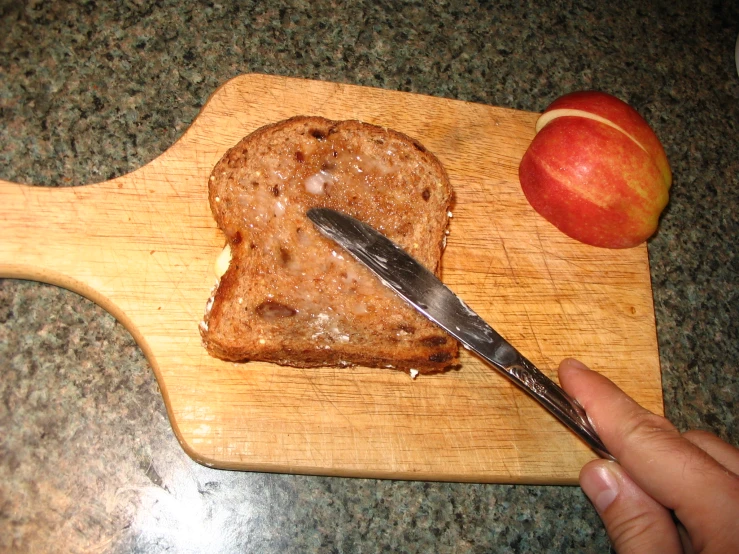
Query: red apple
[[596, 171]]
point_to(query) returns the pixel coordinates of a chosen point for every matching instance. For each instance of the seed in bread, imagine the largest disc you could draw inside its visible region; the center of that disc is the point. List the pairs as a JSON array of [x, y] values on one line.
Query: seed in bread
[[293, 297]]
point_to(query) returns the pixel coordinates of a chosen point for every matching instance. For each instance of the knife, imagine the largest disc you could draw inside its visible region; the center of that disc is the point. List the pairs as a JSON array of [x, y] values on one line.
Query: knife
[[420, 288]]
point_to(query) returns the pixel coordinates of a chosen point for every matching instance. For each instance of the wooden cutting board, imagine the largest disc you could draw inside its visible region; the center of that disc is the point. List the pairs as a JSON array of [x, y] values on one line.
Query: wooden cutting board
[[143, 247]]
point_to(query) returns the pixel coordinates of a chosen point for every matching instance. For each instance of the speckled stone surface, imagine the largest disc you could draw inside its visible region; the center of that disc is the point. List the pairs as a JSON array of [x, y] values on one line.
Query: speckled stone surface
[[91, 90]]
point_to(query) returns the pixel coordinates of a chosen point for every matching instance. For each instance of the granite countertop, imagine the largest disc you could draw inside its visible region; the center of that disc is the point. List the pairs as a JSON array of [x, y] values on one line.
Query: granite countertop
[[94, 89]]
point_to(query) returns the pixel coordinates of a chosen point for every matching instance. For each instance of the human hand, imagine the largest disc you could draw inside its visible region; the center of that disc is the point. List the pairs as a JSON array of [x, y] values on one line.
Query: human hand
[[695, 475]]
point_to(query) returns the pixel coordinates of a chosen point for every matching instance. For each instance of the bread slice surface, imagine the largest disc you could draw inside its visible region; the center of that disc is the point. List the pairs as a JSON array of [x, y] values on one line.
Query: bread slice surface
[[293, 297]]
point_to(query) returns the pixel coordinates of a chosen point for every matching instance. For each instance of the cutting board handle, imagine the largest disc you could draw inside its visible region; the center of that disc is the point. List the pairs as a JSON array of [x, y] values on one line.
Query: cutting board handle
[[46, 231], [68, 237]]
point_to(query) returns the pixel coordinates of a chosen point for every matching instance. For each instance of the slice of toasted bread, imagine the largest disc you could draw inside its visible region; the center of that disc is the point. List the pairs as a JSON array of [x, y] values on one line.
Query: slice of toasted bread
[[291, 296]]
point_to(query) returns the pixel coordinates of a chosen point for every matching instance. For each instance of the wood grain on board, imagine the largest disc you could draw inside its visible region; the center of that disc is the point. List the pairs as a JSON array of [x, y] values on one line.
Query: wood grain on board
[[143, 246]]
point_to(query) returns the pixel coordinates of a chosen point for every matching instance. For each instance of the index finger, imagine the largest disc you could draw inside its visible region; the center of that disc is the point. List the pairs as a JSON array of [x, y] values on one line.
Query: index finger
[[669, 468]]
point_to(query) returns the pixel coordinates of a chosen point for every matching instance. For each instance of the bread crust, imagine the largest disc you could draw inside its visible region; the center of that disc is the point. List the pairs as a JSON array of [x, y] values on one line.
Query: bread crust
[[293, 297]]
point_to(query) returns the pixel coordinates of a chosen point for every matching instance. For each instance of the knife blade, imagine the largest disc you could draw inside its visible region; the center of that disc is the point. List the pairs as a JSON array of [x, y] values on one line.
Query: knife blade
[[420, 288]]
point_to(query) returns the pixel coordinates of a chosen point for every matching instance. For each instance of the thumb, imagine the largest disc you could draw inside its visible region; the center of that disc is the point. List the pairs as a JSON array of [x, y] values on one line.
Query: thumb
[[635, 522]]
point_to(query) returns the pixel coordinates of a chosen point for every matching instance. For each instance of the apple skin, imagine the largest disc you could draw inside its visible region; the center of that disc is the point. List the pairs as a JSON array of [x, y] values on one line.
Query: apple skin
[[596, 171], [621, 114]]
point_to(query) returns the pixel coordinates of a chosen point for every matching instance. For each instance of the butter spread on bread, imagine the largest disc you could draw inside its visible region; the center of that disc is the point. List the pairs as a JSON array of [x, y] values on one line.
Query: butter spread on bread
[[291, 296]]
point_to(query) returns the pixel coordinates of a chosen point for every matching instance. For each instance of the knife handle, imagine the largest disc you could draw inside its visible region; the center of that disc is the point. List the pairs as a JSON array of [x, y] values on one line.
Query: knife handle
[[557, 401]]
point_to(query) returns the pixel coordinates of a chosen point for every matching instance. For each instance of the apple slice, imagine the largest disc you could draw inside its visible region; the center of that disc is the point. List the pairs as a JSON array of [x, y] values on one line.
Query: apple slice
[[596, 171]]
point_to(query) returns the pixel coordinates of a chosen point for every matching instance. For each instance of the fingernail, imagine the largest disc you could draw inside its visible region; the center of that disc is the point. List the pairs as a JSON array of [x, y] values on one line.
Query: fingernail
[[600, 485], [577, 364]]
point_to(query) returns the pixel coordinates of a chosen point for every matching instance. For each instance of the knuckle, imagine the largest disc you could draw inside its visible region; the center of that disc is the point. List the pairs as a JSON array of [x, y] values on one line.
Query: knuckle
[[632, 532], [646, 426]]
